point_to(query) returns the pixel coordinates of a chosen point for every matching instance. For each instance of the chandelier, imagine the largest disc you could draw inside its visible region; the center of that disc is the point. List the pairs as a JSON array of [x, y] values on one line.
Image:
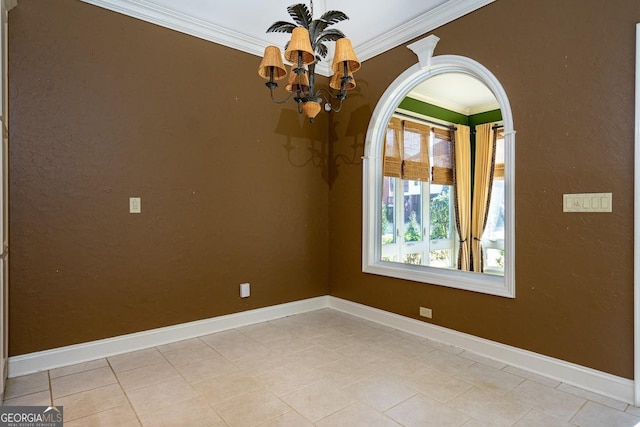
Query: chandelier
[[305, 49]]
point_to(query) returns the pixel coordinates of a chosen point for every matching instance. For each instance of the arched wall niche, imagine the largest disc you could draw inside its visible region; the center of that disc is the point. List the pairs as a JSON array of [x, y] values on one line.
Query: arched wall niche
[[429, 66]]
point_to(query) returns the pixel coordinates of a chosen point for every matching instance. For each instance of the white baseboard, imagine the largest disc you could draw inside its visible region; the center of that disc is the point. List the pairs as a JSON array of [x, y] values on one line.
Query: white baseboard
[[586, 378], [78, 353], [618, 388]]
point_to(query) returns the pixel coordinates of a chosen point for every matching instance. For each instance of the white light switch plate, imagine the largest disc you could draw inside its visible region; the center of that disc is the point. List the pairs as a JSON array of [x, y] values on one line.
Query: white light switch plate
[[134, 205], [587, 202]]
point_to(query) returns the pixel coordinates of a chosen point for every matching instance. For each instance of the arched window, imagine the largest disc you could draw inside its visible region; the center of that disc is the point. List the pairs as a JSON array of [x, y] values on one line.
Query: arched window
[[407, 186]]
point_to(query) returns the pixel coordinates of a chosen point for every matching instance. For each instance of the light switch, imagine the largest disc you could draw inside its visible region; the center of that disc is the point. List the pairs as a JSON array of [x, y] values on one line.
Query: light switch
[[587, 202], [134, 205]]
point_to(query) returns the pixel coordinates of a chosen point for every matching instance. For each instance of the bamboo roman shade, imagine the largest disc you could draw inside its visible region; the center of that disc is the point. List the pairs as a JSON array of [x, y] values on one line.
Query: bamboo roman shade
[[406, 150], [392, 149], [442, 169], [416, 151]]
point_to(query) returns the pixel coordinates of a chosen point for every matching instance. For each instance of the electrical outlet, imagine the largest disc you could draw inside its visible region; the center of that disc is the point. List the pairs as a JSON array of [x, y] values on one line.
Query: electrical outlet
[[426, 312], [245, 290]]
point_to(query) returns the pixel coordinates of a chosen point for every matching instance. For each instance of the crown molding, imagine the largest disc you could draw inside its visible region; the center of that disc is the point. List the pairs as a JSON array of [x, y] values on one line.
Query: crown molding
[[9, 4], [443, 14], [149, 12]]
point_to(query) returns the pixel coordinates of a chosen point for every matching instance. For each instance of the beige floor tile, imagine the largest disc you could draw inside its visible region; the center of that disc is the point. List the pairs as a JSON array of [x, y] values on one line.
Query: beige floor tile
[[41, 398], [290, 419], [122, 416], [160, 395], [475, 423], [548, 400], [344, 372], [256, 364], [401, 367], [206, 369], [490, 378], [180, 345], [411, 347], [549, 382], [135, 359], [240, 349], [594, 414], [288, 343], [360, 353], [263, 332], [251, 408], [537, 418], [91, 402], [146, 375], [26, 384], [489, 408], [192, 412], [224, 338], [439, 386], [318, 400], [482, 359], [312, 357], [288, 378], [79, 367], [607, 401], [193, 353], [81, 381], [380, 392], [358, 415], [420, 411], [633, 410], [445, 361], [333, 341], [227, 386]]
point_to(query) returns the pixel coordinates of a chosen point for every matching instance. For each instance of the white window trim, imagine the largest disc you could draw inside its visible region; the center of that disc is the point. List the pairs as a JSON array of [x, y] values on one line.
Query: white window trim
[[372, 177]]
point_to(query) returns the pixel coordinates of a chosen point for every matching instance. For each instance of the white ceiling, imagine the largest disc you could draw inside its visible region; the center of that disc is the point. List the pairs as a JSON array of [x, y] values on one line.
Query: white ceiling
[[374, 26], [457, 92]]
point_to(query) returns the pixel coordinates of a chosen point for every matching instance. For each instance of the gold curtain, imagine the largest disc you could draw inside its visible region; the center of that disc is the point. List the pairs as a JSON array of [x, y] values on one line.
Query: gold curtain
[[483, 181], [461, 148]]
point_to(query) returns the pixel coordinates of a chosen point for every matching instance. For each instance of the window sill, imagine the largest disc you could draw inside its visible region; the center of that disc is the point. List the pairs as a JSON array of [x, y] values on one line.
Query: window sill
[[476, 282]]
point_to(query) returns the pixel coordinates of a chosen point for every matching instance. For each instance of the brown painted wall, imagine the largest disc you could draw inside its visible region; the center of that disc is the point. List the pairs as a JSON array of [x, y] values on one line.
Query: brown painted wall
[[104, 107], [567, 68]]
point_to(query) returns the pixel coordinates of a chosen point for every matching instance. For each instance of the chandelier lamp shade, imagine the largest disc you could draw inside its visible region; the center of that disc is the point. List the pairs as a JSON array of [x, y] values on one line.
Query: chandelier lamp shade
[[303, 51]]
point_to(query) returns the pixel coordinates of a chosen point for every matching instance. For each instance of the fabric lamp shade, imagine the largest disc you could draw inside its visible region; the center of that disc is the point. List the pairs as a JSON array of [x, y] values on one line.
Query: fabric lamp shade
[[300, 43], [345, 53], [311, 108], [336, 81], [298, 82], [272, 60]]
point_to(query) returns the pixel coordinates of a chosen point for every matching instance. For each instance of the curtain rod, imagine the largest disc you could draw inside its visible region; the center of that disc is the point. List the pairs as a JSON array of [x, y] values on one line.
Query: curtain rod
[[419, 119]]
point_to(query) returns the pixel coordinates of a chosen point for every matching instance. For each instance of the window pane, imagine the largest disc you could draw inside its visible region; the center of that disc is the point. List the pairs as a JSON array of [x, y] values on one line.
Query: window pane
[[415, 258], [388, 210], [440, 211], [440, 258], [494, 230], [412, 211]]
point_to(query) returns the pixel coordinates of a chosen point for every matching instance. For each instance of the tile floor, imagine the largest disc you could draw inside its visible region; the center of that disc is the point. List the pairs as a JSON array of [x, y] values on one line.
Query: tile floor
[[323, 368]]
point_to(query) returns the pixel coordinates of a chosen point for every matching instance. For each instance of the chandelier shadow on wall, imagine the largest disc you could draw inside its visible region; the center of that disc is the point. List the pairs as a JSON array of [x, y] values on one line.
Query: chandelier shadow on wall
[[304, 50]]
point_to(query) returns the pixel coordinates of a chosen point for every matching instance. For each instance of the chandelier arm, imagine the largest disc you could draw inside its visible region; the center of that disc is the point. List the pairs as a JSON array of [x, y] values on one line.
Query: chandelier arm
[[280, 101]]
